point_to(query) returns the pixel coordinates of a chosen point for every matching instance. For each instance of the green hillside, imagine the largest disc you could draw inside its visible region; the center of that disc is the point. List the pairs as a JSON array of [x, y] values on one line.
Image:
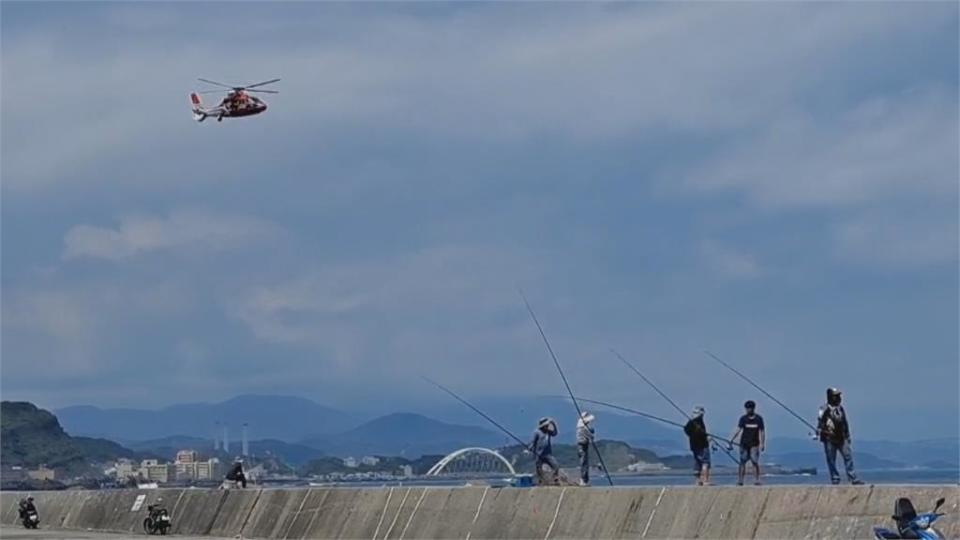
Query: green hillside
[[30, 437], [616, 454]]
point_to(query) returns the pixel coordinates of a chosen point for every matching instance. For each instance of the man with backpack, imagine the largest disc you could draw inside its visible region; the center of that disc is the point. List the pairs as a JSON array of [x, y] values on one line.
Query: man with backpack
[[833, 430]]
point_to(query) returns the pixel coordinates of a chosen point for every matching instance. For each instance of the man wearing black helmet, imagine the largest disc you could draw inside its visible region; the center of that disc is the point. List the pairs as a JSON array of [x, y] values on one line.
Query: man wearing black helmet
[[752, 435], [834, 431]]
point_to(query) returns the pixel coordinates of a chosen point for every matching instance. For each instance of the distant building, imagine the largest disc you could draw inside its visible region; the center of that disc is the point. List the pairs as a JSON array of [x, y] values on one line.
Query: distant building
[[370, 460], [186, 456], [42, 473], [188, 467], [126, 468], [13, 473], [159, 473], [350, 462], [208, 470]]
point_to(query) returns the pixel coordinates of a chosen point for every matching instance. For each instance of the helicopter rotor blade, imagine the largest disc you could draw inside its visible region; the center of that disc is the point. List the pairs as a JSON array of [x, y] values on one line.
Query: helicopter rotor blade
[[211, 92], [215, 83], [263, 91], [271, 81]]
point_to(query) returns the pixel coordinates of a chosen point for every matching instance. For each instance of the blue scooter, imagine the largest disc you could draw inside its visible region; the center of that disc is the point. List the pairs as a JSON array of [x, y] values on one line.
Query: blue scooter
[[910, 524]]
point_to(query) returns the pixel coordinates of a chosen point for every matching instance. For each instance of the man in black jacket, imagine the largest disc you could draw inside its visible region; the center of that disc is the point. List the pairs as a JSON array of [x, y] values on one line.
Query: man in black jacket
[[236, 474], [696, 430], [834, 431]]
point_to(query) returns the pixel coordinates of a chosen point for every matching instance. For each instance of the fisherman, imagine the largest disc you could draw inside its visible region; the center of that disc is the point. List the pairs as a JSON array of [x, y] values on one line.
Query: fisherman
[[752, 435], [543, 450], [834, 431], [585, 437], [696, 430], [236, 474]]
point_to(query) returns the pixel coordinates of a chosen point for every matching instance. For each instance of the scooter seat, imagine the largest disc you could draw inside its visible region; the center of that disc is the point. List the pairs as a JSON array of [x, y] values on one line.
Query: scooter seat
[[885, 534]]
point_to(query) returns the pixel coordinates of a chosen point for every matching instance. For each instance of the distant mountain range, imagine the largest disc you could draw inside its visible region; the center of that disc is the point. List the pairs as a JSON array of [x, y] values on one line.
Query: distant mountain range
[[407, 435], [30, 437], [269, 417], [933, 453], [299, 430], [167, 448]]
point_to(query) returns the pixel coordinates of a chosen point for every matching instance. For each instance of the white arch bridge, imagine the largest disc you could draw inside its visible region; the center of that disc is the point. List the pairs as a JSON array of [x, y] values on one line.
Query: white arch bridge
[[473, 460]]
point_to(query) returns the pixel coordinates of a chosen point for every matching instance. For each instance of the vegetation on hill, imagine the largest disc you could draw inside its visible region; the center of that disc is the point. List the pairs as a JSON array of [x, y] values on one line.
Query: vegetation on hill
[[30, 437], [616, 454]]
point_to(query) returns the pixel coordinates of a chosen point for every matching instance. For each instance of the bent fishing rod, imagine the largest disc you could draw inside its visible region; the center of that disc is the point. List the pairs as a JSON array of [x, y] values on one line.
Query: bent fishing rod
[[664, 396], [650, 416], [757, 386], [476, 410], [565, 383]]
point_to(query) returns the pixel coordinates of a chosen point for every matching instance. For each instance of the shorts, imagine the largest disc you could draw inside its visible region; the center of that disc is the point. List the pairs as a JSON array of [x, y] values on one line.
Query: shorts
[[750, 454], [701, 459]]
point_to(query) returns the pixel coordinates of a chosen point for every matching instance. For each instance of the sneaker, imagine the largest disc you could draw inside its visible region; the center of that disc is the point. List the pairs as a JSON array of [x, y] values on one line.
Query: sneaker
[[757, 484], [584, 484], [857, 482], [739, 483]]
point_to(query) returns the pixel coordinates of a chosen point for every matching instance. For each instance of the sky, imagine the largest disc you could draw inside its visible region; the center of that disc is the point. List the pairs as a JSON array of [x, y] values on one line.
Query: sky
[[777, 183]]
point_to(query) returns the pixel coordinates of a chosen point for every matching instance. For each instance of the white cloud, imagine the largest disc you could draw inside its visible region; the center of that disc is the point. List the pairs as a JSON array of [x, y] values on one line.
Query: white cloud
[[886, 149], [53, 330], [892, 241], [192, 229], [578, 72], [411, 306], [728, 262]]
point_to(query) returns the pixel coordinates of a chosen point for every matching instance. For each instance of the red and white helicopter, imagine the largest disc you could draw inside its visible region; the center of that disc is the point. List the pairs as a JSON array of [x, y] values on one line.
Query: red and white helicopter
[[237, 103]]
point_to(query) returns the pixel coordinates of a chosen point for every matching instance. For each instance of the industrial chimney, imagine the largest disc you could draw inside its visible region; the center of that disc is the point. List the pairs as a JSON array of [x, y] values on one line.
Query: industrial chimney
[[216, 436], [245, 448], [226, 439]]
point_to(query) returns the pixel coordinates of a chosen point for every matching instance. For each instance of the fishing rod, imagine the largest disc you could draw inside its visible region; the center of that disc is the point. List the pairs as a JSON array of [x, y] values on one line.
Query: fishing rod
[[648, 381], [755, 385], [476, 410], [664, 396], [650, 416], [565, 383]]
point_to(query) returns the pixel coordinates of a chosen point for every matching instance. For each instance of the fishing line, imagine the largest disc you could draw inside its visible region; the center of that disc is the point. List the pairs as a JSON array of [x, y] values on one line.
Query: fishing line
[[757, 386], [664, 396]]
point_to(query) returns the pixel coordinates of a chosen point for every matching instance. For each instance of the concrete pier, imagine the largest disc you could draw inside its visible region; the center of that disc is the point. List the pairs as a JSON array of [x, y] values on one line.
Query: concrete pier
[[782, 512]]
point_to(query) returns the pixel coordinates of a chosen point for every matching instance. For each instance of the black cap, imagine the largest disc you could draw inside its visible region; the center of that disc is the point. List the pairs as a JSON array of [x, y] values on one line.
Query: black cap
[[749, 404]]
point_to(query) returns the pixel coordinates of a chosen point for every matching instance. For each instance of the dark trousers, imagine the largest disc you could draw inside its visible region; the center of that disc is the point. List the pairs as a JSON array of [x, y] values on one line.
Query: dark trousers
[[583, 452], [551, 462], [830, 449]]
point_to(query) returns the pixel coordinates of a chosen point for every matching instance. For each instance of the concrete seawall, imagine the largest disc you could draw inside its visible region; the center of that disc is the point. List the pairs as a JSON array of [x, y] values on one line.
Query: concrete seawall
[[783, 512]]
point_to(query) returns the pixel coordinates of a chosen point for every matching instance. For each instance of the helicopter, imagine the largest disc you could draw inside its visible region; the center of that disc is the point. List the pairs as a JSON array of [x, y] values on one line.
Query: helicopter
[[237, 103]]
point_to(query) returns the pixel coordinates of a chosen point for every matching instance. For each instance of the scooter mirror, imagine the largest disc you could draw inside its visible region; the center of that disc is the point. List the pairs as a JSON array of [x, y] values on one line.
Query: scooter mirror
[[940, 502]]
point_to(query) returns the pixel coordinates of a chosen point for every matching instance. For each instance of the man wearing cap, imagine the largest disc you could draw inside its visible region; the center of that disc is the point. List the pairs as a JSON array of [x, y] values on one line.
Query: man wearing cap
[[752, 435], [585, 435], [696, 430], [543, 449], [834, 431]]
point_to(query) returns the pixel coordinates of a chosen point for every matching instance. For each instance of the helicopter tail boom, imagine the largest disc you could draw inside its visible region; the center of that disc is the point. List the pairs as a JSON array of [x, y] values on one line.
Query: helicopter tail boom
[[198, 113]]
